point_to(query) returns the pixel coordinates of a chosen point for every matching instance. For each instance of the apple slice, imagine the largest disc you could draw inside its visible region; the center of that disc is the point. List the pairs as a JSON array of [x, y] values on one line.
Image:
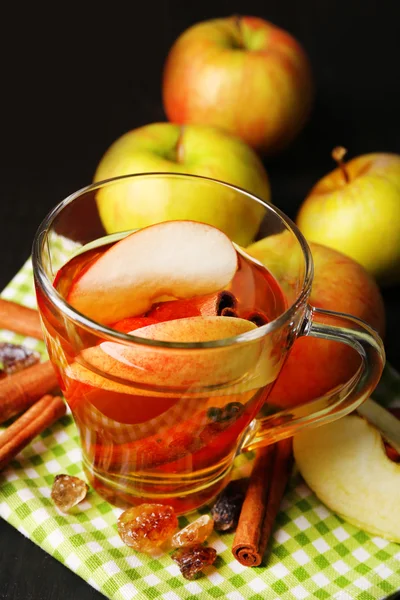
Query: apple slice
[[178, 259], [234, 369], [346, 465]]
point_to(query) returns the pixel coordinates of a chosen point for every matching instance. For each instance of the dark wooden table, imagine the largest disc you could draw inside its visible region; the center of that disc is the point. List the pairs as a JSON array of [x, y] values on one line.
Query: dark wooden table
[[71, 88]]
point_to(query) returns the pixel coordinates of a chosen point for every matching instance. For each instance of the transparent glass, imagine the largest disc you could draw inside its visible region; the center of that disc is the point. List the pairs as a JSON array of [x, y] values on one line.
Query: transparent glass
[[146, 411]]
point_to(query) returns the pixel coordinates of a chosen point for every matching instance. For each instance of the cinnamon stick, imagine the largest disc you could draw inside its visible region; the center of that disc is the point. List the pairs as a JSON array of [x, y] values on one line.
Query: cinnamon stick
[[267, 484], [40, 416], [228, 312], [206, 306], [20, 319], [257, 317], [20, 390]]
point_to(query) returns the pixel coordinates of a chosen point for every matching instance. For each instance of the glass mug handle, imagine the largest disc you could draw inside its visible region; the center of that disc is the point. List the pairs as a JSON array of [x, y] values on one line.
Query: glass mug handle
[[341, 400]]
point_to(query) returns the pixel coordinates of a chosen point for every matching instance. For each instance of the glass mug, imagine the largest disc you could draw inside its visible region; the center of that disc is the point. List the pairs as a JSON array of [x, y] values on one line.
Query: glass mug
[[161, 420]]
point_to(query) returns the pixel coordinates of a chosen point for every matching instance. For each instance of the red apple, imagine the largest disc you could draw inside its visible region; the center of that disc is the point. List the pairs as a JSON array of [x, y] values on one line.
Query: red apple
[[242, 74], [315, 366]]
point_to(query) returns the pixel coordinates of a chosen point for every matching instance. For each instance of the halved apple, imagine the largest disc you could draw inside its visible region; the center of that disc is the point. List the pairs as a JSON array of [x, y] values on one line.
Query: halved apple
[[239, 367], [174, 259], [346, 465]]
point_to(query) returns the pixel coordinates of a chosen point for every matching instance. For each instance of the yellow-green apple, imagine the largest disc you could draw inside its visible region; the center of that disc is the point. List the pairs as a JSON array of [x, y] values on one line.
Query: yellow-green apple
[[315, 366], [346, 465], [164, 147], [242, 74], [177, 259], [356, 209]]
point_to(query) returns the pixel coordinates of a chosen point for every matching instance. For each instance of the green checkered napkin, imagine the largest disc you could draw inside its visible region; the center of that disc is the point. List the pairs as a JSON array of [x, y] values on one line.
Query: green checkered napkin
[[313, 553]]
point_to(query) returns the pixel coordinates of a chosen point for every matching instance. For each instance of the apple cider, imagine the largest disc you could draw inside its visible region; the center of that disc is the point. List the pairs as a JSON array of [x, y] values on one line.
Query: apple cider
[[158, 421]]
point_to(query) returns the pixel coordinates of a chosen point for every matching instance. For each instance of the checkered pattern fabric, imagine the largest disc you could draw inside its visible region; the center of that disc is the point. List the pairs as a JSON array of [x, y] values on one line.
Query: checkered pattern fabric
[[312, 554]]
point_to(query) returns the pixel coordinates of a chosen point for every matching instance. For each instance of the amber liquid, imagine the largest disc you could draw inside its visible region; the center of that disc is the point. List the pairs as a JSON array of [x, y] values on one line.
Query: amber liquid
[[163, 446]]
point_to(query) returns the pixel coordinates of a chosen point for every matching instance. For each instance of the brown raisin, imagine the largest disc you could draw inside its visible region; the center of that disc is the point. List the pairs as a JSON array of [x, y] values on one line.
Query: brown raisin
[[232, 411], [14, 357], [258, 318], [68, 491], [226, 510], [194, 533], [147, 526], [214, 414], [192, 560]]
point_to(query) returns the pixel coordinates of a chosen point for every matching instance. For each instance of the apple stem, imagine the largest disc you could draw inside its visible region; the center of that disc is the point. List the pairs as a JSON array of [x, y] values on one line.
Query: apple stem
[[238, 23], [338, 154]]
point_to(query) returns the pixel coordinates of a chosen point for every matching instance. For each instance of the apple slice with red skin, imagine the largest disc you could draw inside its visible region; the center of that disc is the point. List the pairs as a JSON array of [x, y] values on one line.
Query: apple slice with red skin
[[119, 367], [345, 464], [153, 379], [197, 435], [175, 259]]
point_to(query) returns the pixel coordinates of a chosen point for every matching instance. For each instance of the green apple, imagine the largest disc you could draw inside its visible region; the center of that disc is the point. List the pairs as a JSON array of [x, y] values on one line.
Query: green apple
[[198, 150], [356, 209]]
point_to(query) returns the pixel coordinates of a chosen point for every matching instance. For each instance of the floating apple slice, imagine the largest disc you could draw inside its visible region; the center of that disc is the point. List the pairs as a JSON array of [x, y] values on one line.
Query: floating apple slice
[[346, 465], [178, 259], [236, 368], [191, 330]]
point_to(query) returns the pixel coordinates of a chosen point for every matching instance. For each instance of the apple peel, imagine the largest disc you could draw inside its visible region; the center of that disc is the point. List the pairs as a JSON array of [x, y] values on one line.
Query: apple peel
[[346, 465], [173, 259]]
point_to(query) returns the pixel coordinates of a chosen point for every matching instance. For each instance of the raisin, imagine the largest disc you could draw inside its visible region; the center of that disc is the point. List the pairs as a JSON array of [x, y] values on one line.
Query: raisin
[[194, 533], [228, 413], [191, 561], [14, 357], [258, 318], [68, 491], [147, 526], [232, 410], [226, 510], [214, 413], [268, 409]]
